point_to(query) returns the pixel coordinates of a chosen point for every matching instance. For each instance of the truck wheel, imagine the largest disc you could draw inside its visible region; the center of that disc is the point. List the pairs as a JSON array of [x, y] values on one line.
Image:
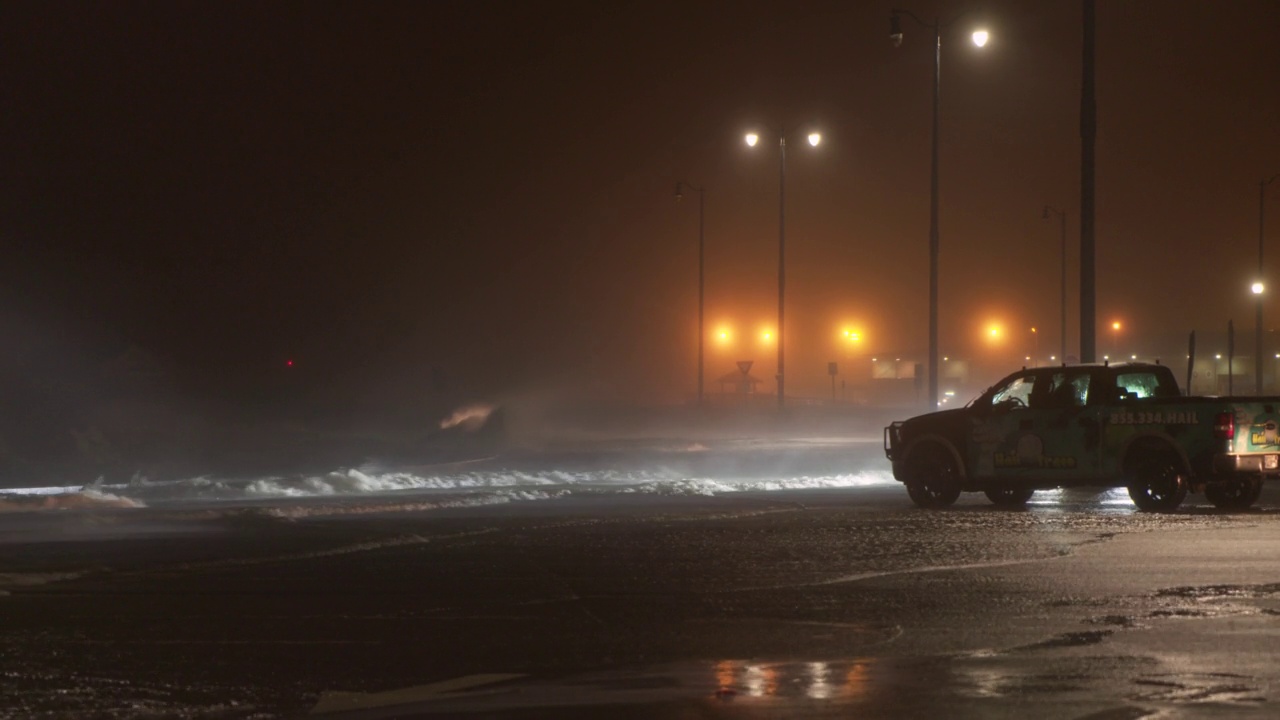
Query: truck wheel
[[932, 479], [1009, 497], [1156, 482], [1234, 493]]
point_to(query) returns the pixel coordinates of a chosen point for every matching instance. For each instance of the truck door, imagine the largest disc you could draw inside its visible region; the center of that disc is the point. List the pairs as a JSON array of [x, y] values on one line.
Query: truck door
[[1068, 421], [995, 445]]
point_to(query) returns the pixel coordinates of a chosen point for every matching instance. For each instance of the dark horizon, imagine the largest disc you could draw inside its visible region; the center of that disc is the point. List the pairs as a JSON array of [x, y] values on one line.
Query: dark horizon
[[475, 199]]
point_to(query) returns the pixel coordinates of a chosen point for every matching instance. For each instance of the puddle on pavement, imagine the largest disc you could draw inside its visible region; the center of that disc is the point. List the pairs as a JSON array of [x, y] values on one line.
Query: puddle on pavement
[[1214, 592], [1073, 639], [1206, 688]]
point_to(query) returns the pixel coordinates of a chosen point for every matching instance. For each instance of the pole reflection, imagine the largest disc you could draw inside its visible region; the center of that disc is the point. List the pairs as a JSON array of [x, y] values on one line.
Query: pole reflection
[[817, 680]]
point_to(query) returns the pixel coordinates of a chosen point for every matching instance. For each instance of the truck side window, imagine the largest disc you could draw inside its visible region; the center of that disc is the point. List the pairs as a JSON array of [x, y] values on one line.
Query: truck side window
[[1066, 391], [1079, 389], [1138, 385]]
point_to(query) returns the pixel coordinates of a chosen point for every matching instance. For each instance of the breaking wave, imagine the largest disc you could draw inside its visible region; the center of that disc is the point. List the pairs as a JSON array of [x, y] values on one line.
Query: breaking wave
[[427, 491], [23, 500], [655, 467]]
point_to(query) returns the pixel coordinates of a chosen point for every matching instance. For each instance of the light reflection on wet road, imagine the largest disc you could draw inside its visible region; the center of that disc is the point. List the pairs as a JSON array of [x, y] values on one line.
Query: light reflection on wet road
[[797, 604]]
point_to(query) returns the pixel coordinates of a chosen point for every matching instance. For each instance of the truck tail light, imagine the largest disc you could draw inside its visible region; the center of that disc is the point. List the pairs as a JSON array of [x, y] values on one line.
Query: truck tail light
[[1224, 425]]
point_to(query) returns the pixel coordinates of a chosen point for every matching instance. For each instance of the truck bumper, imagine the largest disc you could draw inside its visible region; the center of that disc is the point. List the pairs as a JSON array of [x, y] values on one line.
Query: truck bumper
[[892, 439], [1264, 464]]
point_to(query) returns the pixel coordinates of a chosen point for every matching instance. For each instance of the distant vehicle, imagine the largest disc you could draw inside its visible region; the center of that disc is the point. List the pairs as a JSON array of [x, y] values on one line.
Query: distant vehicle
[[1123, 425]]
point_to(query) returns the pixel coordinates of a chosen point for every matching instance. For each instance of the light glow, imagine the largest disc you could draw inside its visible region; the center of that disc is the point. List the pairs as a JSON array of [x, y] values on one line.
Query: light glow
[[814, 139], [752, 139], [1257, 288], [1115, 325], [980, 37]]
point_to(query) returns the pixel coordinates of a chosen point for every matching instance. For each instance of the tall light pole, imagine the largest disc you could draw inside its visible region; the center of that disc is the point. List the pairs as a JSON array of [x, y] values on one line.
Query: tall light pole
[[1259, 287], [980, 38], [680, 186], [1088, 142], [752, 139], [1062, 217]]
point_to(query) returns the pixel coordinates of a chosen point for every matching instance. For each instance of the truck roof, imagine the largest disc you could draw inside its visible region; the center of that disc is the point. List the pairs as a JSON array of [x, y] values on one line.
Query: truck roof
[[1101, 365]]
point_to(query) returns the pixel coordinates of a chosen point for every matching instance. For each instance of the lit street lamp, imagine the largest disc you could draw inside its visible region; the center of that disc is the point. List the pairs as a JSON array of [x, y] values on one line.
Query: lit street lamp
[[1258, 288], [680, 186], [752, 139], [980, 38], [1062, 216]]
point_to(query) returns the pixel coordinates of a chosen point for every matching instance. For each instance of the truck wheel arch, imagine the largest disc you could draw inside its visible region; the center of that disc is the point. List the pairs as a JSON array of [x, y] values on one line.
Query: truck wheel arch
[[927, 440], [1151, 441]]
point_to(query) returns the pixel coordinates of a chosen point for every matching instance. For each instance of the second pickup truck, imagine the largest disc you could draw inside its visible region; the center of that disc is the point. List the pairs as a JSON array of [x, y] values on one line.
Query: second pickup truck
[[1124, 425]]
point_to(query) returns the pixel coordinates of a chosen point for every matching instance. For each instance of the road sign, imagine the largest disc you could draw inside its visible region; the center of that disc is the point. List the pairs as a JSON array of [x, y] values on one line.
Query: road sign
[[745, 366], [833, 369]]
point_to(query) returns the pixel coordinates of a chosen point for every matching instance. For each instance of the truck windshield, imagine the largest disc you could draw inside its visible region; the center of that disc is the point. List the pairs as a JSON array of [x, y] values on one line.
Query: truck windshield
[[1016, 392]]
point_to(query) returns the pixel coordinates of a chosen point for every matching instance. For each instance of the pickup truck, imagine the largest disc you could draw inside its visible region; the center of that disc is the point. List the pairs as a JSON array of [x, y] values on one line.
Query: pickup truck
[[1111, 425]]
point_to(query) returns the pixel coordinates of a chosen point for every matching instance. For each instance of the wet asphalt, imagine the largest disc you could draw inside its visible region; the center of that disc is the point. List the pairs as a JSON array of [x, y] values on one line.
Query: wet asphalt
[[824, 603]]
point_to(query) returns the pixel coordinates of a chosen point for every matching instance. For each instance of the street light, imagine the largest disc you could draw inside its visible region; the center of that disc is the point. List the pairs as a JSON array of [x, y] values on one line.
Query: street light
[[752, 139], [1258, 288], [1062, 217], [680, 186], [980, 38]]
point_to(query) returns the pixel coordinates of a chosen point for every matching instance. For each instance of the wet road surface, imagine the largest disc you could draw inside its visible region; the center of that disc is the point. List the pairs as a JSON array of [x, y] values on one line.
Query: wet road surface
[[819, 603]]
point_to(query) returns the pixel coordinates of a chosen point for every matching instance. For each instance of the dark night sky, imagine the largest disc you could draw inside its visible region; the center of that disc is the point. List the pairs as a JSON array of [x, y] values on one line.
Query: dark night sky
[[479, 194]]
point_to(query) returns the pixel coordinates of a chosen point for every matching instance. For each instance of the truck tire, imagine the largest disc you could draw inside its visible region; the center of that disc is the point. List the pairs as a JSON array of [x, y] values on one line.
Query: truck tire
[[932, 478], [1156, 481], [1234, 493], [1009, 497]]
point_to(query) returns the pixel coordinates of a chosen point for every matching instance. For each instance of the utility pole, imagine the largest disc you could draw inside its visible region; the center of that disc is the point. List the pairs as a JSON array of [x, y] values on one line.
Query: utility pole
[[1088, 135], [1259, 287]]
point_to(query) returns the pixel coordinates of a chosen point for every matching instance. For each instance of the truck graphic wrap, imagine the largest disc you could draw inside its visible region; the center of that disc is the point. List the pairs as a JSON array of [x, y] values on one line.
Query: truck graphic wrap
[[1124, 425]]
